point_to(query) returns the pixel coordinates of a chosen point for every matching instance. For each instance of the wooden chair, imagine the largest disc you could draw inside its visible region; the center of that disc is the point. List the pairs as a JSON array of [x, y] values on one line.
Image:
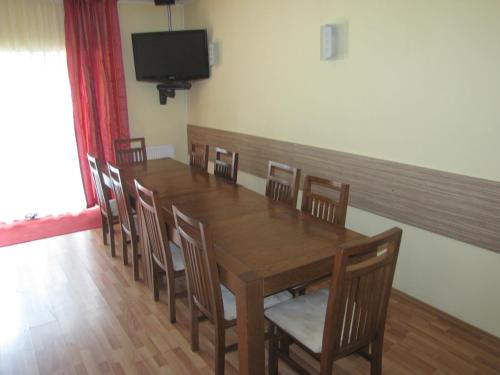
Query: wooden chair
[[130, 150], [226, 164], [282, 183], [331, 208], [126, 217], [165, 256], [328, 204], [198, 157], [107, 206], [348, 317], [206, 296]]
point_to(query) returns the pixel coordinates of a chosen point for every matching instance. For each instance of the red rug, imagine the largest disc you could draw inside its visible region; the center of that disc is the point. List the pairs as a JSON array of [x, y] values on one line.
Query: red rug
[[31, 230]]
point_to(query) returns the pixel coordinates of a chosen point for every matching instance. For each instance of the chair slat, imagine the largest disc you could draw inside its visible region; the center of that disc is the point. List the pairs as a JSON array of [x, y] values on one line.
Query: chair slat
[[102, 192], [122, 198], [329, 209], [228, 168], [356, 310], [367, 282], [154, 226], [198, 156], [103, 199], [202, 278], [125, 215], [201, 269], [282, 183], [127, 153]]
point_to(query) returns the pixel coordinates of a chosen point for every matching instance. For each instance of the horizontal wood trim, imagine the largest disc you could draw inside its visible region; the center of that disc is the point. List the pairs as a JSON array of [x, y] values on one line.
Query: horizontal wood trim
[[456, 206]]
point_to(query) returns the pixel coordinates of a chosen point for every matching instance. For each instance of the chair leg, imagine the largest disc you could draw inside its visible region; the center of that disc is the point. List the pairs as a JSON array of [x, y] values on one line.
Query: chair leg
[[111, 231], [104, 222], [195, 346], [171, 299], [156, 282], [124, 247], [272, 359], [220, 350], [284, 344], [135, 258], [376, 355]]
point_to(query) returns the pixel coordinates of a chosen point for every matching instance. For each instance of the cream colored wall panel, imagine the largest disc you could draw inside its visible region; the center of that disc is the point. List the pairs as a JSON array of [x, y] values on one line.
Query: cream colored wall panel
[[419, 85]]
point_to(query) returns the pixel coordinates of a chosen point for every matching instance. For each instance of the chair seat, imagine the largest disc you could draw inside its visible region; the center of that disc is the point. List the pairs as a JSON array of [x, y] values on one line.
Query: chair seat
[[114, 207], [303, 318], [177, 258], [229, 301]]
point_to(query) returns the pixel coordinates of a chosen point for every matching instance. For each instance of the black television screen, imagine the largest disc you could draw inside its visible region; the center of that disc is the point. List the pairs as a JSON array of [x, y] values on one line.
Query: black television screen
[[171, 55]]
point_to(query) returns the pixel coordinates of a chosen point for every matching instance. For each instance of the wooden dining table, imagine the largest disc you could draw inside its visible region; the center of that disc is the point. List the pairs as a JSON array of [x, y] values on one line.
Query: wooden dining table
[[262, 247]]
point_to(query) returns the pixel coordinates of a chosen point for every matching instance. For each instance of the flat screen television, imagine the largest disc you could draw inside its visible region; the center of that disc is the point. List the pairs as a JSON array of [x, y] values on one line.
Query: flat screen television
[[171, 55]]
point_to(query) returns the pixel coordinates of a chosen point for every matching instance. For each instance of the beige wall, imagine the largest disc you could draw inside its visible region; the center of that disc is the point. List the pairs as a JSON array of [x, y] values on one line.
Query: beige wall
[[420, 84], [160, 124]]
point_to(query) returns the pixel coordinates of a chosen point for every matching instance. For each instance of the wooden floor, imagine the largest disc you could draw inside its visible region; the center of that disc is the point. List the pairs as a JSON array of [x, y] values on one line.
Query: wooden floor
[[68, 308]]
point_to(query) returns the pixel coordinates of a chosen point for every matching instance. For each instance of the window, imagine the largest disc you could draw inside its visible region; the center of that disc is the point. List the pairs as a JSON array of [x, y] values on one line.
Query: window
[[40, 171]]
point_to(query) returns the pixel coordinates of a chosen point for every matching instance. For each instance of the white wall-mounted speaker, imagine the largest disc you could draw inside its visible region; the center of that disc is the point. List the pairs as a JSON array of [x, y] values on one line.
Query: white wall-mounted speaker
[[213, 53], [329, 36]]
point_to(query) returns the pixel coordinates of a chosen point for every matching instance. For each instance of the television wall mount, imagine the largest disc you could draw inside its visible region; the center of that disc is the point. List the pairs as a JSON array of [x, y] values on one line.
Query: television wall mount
[[169, 4], [167, 89]]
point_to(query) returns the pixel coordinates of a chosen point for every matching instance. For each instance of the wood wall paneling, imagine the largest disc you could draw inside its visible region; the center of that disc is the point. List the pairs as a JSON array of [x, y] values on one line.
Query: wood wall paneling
[[460, 207]]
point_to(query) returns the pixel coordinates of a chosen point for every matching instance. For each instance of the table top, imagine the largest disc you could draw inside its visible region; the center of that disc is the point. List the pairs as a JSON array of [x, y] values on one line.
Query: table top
[[251, 233]]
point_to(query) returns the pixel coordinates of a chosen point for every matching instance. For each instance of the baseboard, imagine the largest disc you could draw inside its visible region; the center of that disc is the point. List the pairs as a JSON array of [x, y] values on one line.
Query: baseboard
[[323, 283], [444, 315]]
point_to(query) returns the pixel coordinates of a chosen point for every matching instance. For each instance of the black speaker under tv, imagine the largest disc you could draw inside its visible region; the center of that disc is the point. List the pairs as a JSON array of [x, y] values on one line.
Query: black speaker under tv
[[164, 2], [171, 56]]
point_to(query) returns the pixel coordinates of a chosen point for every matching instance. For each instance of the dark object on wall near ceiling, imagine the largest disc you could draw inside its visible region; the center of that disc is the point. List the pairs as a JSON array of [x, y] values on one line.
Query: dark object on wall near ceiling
[[164, 2]]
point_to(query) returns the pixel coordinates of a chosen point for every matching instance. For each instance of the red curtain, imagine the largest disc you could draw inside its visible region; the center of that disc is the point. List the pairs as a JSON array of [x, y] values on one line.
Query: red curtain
[[97, 80]]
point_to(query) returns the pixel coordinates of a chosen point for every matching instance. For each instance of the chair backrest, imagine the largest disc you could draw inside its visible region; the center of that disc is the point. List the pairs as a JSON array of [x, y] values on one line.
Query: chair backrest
[[282, 183], [361, 284], [130, 150], [325, 199], [226, 164], [201, 267], [154, 227], [101, 190], [122, 199], [198, 156]]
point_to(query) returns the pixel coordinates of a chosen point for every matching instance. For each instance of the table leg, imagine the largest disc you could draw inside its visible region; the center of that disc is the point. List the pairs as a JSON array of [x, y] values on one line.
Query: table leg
[[250, 324]]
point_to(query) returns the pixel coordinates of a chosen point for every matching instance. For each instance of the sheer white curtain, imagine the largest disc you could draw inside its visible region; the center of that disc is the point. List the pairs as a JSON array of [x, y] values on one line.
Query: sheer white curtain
[[39, 163]]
